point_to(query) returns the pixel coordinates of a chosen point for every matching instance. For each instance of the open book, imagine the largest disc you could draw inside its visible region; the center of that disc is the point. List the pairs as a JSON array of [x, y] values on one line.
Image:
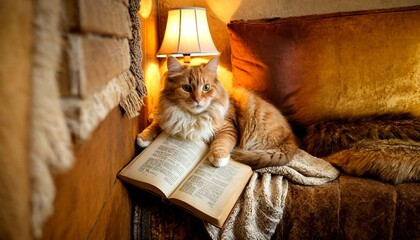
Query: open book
[[179, 171]]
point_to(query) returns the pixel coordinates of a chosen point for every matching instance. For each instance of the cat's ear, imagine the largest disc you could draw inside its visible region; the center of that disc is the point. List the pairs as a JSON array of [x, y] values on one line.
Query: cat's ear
[[174, 67], [212, 65]]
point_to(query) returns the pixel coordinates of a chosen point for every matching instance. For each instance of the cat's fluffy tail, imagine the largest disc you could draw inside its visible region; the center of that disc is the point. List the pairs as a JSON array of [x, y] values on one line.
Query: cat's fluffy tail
[[267, 157]]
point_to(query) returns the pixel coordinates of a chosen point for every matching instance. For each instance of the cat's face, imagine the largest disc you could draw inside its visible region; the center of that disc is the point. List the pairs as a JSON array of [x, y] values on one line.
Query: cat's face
[[192, 88]]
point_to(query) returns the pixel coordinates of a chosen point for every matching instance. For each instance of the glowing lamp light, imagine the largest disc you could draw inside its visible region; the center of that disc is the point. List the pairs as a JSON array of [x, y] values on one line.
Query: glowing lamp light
[[187, 34]]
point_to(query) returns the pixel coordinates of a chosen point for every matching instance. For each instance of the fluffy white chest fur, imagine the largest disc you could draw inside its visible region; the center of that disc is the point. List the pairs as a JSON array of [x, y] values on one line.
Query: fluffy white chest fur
[[179, 122]]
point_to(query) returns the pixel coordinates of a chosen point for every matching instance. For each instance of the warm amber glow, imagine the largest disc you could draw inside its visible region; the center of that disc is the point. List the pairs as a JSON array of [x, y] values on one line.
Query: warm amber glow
[[226, 10], [187, 33], [146, 8], [153, 85]]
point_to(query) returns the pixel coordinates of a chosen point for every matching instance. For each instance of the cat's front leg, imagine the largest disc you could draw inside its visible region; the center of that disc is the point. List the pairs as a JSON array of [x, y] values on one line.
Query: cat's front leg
[[148, 134], [219, 156], [222, 145]]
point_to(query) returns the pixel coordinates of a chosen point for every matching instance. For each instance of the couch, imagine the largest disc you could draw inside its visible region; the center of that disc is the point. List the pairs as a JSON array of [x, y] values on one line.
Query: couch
[[333, 67]]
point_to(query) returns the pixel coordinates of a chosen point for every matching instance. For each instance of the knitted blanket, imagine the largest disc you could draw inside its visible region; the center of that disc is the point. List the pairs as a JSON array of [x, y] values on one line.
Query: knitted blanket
[[259, 211]]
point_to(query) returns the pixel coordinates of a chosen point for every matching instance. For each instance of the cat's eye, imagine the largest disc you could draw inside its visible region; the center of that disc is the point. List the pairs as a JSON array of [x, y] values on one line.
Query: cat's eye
[[206, 87], [186, 88]]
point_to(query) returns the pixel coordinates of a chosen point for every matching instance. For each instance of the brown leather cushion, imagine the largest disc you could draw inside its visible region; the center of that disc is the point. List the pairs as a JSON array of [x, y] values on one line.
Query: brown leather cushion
[[331, 66]]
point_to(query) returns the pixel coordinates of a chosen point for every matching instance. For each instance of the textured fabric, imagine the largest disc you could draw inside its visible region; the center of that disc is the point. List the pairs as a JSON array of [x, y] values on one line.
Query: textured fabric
[[51, 149], [259, 211], [392, 160], [127, 90], [134, 101], [95, 108], [330, 136], [50, 141], [324, 67]]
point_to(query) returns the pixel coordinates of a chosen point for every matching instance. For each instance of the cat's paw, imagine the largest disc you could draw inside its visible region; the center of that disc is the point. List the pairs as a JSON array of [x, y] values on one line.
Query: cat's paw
[[142, 142], [219, 161]]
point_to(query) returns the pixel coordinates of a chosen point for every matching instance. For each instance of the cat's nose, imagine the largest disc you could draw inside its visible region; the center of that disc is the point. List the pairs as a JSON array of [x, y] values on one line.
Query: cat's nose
[[199, 102]]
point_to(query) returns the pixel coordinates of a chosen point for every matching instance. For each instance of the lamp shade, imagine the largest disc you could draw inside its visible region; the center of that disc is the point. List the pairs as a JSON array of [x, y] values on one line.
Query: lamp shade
[[187, 34]]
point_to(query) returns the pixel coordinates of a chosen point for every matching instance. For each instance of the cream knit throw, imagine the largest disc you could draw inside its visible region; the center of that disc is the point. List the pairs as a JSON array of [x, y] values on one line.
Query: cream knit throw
[[259, 211]]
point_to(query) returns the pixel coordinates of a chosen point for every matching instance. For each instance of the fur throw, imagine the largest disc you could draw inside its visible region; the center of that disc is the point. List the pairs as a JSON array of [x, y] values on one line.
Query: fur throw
[[327, 137], [392, 160], [386, 147]]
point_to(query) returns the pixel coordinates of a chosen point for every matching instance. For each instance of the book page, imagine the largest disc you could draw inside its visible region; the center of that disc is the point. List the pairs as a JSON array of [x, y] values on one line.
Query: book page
[[164, 164], [213, 191]]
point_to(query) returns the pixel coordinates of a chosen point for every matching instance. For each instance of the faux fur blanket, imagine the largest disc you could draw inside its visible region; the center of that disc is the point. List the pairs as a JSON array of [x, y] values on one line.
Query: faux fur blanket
[[259, 211]]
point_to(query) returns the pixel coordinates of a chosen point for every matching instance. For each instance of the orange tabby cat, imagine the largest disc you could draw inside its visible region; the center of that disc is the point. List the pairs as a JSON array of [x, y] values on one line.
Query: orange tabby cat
[[194, 105]]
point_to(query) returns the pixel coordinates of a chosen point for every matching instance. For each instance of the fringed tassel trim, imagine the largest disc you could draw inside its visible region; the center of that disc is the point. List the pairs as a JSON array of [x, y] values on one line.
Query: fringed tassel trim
[[84, 115]]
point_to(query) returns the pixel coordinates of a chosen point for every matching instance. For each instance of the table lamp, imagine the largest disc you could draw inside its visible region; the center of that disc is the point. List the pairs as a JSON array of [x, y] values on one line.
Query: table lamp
[[187, 34]]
